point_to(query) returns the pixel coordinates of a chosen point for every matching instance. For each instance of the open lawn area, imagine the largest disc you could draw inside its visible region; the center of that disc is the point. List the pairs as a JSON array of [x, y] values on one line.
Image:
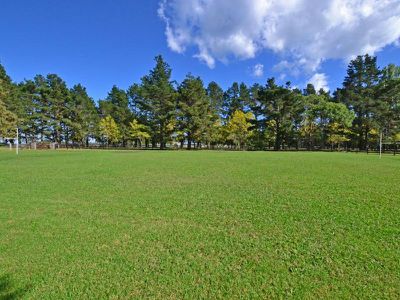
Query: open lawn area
[[185, 225]]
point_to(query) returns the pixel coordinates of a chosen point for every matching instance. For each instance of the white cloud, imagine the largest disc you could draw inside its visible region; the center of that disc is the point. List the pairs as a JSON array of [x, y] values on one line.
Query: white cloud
[[258, 70], [320, 81], [176, 38], [303, 32]]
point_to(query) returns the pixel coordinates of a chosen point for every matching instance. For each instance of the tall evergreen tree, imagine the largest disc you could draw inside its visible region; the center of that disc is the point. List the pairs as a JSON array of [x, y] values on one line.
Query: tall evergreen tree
[[258, 140], [237, 97], [53, 108], [84, 116], [281, 108], [155, 98], [388, 99], [358, 93], [8, 122], [216, 96], [12, 109], [117, 106], [9, 93], [193, 109], [28, 119], [215, 111]]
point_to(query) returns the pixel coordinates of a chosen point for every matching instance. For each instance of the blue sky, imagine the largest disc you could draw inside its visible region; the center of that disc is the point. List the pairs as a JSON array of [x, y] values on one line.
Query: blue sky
[[102, 43]]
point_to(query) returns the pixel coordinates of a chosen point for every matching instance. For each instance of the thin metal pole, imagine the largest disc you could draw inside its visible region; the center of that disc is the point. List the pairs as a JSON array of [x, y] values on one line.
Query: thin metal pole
[[17, 141], [380, 145]]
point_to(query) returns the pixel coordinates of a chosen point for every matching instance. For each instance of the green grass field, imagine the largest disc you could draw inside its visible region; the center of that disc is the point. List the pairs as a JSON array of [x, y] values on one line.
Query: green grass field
[[184, 225]]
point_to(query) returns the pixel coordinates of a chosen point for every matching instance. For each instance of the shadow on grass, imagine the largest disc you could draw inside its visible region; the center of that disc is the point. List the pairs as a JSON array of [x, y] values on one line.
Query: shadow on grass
[[7, 289]]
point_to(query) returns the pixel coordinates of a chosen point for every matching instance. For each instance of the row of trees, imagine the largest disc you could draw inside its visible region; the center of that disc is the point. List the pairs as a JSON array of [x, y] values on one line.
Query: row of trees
[[158, 112]]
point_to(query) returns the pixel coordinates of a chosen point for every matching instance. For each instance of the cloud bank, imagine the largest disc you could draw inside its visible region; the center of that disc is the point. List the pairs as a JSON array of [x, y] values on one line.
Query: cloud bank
[[304, 33]]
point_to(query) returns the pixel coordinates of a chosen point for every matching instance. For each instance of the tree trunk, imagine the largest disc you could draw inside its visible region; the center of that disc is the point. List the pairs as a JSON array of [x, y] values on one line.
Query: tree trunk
[[66, 139], [278, 138], [278, 142]]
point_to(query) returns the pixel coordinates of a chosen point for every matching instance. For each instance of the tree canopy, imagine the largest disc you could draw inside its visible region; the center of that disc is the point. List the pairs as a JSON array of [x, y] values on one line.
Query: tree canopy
[[159, 112]]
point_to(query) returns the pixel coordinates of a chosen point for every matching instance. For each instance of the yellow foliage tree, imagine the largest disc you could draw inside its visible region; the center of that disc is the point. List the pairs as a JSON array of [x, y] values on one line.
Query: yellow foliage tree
[[139, 132], [338, 134], [8, 122], [396, 137], [109, 130], [239, 127]]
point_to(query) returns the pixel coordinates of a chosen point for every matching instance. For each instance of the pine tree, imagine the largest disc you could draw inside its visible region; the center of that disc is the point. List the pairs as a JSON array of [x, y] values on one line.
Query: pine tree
[[388, 100], [9, 93], [282, 108], [84, 116], [12, 110], [216, 97], [155, 99], [52, 103], [193, 110], [358, 93], [117, 106], [8, 122], [237, 97], [215, 110]]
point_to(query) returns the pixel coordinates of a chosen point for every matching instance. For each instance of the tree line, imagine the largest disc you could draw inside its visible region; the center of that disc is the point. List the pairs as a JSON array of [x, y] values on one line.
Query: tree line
[[159, 112]]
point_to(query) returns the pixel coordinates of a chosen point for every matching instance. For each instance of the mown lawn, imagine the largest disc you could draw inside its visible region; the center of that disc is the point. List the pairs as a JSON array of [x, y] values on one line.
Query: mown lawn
[[185, 225]]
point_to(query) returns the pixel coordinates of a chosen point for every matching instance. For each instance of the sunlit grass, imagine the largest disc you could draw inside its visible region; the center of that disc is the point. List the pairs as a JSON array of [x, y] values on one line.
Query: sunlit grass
[[104, 224]]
